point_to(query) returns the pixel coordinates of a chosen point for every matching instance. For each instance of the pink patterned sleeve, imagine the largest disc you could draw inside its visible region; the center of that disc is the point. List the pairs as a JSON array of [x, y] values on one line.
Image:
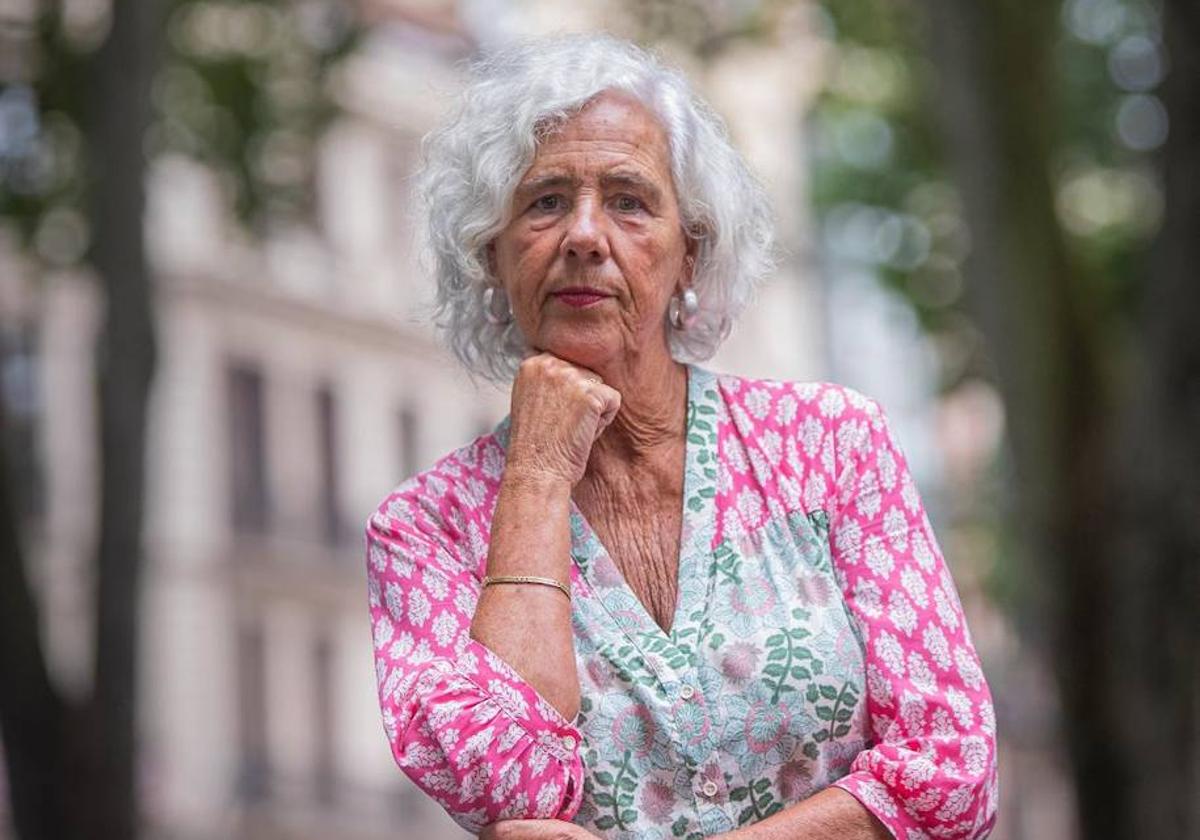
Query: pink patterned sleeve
[[462, 724], [930, 770]]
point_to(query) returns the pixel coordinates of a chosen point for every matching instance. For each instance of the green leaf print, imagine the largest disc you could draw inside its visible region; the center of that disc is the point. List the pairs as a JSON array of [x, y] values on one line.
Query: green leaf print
[[820, 522], [782, 663], [838, 714], [727, 563], [762, 801], [679, 827], [623, 786], [585, 708]]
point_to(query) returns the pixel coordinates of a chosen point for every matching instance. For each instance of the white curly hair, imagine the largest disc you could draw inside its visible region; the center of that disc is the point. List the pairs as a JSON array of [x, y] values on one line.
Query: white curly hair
[[473, 163]]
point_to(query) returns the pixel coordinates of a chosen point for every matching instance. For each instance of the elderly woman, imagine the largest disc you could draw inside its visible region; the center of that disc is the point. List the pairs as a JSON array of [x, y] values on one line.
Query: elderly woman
[[655, 601]]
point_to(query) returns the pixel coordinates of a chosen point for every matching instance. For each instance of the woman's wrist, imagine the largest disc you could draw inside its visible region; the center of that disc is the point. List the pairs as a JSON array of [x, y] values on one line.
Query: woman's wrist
[[533, 483]]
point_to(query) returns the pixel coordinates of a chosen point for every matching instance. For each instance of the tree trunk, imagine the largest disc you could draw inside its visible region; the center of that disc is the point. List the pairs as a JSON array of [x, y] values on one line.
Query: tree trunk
[[1109, 512], [1159, 473], [71, 770], [125, 365], [32, 714], [997, 101]]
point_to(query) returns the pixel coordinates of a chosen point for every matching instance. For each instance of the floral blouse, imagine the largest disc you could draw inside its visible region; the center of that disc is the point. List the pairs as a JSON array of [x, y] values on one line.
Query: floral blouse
[[818, 640]]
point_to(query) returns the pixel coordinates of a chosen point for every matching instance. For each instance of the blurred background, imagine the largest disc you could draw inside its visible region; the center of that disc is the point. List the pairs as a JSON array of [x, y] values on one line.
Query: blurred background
[[216, 360]]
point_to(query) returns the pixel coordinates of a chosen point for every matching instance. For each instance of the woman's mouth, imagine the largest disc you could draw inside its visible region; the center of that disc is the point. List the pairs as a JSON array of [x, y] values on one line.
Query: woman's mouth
[[579, 296]]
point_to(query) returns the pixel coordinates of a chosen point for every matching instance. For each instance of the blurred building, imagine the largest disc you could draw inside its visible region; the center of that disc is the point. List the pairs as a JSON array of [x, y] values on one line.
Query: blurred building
[[298, 382]]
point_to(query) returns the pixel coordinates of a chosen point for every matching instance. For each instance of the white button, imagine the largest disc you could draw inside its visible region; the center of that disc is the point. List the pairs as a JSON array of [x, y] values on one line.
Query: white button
[[709, 789], [686, 691], [568, 741]]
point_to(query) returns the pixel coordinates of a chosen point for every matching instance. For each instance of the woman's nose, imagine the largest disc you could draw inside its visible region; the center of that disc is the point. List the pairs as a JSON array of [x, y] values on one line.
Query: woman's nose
[[585, 239]]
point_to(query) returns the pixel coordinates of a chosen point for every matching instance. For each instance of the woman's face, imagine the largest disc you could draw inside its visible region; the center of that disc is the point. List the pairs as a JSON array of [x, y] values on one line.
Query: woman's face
[[595, 247]]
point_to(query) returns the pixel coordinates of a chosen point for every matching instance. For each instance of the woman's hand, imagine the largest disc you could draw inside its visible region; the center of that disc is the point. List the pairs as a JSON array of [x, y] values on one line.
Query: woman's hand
[[534, 830], [558, 411]]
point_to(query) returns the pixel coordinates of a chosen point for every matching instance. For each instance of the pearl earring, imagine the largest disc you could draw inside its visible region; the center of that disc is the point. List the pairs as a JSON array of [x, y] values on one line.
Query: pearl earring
[[683, 309]]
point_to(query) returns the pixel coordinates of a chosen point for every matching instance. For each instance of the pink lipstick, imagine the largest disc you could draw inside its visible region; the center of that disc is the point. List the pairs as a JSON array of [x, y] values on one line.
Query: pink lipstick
[[580, 296]]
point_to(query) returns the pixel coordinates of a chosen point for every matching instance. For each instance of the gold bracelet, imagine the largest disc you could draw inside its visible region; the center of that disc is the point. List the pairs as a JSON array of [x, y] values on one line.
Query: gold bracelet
[[544, 581]]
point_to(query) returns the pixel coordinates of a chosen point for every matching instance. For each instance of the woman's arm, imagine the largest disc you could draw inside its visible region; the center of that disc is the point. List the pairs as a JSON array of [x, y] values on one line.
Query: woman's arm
[[474, 684], [531, 536], [558, 411], [466, 727], [930, 769], [831, 814]]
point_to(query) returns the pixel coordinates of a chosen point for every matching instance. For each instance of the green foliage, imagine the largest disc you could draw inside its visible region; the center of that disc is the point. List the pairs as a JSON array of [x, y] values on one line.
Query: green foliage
[[880, 183], [243, 87], [43, 148]]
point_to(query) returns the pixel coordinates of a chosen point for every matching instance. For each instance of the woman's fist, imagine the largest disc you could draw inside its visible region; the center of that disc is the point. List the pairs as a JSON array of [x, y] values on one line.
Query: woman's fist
[[558, 411]]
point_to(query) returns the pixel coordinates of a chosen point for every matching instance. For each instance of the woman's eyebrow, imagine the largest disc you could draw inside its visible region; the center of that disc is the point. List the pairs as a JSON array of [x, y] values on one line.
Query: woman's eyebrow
[[545, 182], [632, 181]]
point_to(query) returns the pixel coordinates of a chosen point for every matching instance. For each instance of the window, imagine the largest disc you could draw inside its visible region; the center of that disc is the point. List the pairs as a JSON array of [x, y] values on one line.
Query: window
[[332, 527], [324, 771], [247, 450], [407, 442], [254, 772]]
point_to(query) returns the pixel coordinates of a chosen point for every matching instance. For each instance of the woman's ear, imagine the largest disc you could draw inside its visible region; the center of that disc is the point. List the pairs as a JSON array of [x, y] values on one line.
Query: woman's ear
[[688, 275], [489, 251], [691, 248]]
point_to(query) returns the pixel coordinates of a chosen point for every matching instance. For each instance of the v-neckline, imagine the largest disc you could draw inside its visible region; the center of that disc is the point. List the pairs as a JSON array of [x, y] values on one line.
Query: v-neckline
[[697, 525], [595, 560]]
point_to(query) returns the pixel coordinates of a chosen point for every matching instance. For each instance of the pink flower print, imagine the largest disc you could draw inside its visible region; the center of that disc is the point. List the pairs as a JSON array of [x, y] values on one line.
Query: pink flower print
[[657, 802], [793, 780], [761, 731], [600, 674], [817, 588], [747, 607], [740, 662], [608, 575], [622, 724]]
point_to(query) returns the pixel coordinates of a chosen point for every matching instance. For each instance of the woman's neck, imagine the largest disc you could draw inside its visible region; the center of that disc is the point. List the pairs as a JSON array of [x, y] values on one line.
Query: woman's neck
[[652, 414]]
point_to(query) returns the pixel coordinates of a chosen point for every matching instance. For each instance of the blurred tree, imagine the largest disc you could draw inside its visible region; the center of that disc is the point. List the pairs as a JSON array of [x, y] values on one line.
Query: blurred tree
[[1101, 386], [71, 765], [241, 87], [1034, 124]]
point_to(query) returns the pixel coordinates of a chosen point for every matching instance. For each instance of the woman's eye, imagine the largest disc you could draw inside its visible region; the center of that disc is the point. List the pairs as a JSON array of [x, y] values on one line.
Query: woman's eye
[[547, 203], [628, 204]]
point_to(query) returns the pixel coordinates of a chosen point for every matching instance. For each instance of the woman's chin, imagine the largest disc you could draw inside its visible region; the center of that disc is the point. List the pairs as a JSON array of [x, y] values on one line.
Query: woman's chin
[[589, 354]]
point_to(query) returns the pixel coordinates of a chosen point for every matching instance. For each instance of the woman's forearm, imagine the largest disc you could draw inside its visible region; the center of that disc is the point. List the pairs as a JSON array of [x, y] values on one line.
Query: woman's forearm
[[529, 625], [831, 814]]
